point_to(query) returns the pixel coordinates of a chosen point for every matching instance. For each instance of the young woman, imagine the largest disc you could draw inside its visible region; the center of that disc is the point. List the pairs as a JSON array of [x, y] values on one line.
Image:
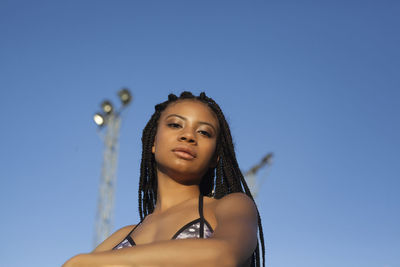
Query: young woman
[[194, 204]]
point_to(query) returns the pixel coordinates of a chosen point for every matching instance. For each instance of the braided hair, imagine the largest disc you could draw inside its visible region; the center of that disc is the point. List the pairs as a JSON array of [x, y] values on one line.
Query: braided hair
[[217, 182]]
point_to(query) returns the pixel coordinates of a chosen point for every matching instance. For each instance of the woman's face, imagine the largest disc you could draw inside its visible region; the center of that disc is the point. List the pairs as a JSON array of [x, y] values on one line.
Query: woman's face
[[186, 139]]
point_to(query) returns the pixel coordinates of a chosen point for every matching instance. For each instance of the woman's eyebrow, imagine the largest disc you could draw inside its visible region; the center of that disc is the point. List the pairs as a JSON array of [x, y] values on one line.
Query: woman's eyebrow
[[183, 118]]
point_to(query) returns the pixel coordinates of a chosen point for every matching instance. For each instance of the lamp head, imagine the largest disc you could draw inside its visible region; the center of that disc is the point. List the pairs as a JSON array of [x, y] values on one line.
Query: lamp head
[[107, 107], [99, 119], [125, 96]]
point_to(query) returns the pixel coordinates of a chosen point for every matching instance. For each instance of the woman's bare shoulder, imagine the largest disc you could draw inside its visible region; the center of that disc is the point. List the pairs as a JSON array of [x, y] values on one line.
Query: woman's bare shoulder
[[237, 196], [114, 239], [236, 202], [233, 201], [232, 198]]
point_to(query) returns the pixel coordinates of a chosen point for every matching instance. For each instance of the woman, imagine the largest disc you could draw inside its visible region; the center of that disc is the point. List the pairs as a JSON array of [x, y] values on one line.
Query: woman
[[194, 204]]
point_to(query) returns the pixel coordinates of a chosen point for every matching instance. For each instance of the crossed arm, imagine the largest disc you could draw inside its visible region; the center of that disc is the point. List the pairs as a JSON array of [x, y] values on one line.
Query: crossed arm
[[232, 243]]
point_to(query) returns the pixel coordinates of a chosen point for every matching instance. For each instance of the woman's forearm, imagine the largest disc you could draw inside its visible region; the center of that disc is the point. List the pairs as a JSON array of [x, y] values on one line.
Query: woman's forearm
[[185, 252]]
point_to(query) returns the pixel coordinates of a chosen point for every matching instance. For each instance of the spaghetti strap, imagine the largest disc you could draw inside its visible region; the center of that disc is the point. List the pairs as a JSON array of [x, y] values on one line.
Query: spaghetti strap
[[134, 228], [128, 240], [201, 216]]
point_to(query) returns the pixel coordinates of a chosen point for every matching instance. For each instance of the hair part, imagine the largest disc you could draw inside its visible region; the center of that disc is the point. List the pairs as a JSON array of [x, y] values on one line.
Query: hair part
[[217, 182]]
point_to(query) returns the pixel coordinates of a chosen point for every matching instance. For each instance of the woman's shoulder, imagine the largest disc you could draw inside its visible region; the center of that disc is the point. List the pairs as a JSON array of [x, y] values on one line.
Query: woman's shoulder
[[124, 230], [232, 198], [238, 196], [113, 239], [233, 201]]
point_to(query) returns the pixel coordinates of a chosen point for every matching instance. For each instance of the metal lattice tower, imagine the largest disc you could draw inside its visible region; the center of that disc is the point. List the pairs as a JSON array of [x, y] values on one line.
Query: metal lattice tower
[[105, 204], [111, 122], [251, 178]]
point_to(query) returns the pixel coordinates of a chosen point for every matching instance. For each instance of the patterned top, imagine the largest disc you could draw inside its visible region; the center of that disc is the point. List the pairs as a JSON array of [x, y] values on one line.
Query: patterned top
[[198, 228]]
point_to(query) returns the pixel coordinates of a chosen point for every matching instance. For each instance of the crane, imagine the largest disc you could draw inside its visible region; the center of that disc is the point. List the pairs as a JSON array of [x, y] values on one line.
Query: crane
[[250, 175]]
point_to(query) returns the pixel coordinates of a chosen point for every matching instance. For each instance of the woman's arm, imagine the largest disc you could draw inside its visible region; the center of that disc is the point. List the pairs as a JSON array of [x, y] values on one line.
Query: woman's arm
[[183, 252], [233, 242]]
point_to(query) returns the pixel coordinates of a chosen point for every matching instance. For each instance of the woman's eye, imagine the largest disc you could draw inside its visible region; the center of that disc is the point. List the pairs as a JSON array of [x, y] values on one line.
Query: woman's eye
[[174, 125], [205, 133]]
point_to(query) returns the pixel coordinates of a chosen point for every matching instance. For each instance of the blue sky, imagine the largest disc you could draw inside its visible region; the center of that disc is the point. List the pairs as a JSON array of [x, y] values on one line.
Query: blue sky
[[314, 82]]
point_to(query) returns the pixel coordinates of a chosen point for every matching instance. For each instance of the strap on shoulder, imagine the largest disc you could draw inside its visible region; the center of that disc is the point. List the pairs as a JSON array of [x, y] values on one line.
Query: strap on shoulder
[[201, 216], [133, 229]]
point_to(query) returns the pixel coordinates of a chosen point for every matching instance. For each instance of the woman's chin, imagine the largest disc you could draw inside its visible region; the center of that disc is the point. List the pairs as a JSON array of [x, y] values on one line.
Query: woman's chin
[[183, 177]]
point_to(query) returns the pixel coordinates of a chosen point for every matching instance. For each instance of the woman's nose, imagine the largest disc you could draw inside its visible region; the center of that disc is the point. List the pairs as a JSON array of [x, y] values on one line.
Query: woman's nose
[[188, 137]]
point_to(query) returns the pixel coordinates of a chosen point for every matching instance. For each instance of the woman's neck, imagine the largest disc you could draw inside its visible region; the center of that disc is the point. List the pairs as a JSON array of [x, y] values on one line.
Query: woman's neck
[[171, 193]]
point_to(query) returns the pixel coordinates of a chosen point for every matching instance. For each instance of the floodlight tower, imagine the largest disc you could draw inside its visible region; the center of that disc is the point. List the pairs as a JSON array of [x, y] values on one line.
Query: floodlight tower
[[108, 120], [250, 176]]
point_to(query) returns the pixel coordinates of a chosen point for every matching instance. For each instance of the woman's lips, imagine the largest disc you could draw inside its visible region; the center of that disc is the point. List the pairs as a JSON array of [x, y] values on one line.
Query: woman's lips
[[183, 154]]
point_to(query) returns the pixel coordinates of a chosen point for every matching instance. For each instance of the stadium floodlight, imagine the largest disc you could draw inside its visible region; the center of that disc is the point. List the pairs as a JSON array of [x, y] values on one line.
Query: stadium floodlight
[[107, 107], [109, 120], [125, 96], [99, 119]]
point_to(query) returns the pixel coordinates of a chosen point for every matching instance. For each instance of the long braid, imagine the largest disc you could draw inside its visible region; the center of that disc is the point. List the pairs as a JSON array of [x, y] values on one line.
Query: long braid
[[218, 182]]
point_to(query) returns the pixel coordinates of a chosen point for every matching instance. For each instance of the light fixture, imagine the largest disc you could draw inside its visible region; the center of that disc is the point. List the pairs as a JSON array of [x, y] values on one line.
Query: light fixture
[[125, 96], [99, 119], [107, 107]]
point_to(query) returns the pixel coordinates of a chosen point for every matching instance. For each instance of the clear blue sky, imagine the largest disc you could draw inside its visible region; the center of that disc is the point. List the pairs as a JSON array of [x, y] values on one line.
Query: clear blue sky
[[315, 82]]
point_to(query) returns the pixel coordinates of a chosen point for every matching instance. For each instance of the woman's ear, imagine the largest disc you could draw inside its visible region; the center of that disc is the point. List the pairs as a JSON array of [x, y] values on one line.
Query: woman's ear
[[153, 149]]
